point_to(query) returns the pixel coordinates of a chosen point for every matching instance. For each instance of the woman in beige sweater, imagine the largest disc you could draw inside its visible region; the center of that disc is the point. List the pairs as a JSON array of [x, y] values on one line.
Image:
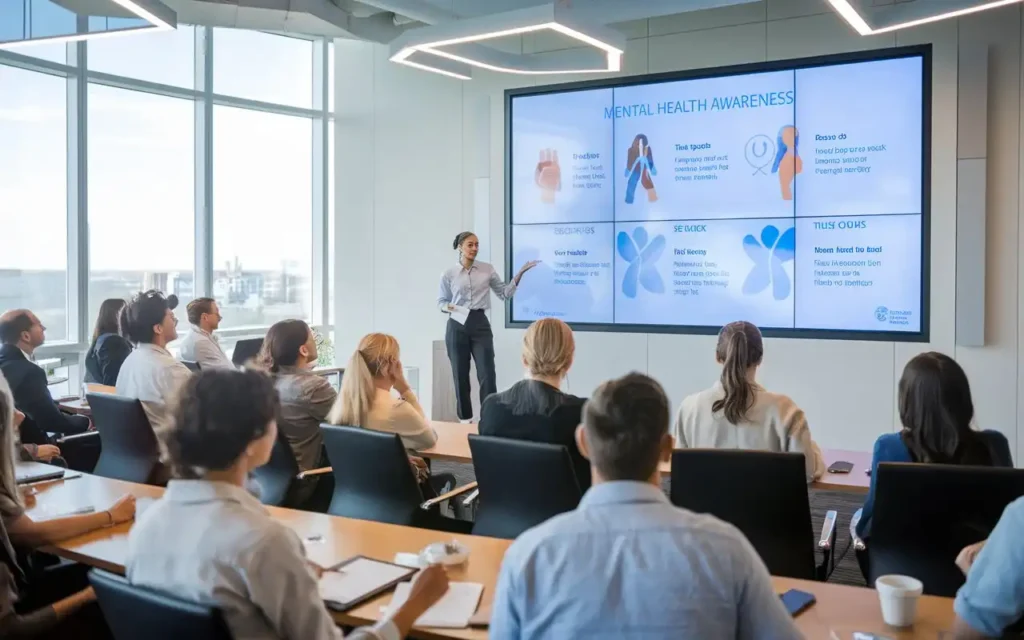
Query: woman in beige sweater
[[738, 413]]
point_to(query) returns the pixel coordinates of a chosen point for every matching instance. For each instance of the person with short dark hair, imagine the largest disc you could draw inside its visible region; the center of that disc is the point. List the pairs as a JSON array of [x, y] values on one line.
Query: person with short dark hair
[[151, 374], [289, 353], [738, 413], [626, 563], [208, 540], [21, 333], [109, 349], [200, 344]]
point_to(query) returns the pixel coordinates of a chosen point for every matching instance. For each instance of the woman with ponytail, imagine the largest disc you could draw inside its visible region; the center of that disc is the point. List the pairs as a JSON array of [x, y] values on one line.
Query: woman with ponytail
[[738, 413], [466, 288]]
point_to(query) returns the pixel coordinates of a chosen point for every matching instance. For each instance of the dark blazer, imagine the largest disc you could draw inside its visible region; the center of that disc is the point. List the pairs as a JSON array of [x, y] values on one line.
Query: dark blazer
[[537, 412], [32, 397], [105, 357]]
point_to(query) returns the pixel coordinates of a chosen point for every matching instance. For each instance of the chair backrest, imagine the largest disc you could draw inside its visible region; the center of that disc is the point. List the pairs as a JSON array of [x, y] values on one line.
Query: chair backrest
[[277, 476], [926, 513], [129, 447], [761, 493], [191, 366], [373, 479], [133, 612], [246, 350], [521, 484]]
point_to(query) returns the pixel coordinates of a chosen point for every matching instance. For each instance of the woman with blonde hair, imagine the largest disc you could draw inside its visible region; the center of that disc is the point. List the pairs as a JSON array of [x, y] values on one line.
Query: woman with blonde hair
[[738, 413], [535, 409]]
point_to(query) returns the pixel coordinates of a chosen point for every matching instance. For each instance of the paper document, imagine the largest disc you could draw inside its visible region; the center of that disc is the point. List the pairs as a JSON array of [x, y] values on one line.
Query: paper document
[[452, 611], [459, 314], [357, 579]]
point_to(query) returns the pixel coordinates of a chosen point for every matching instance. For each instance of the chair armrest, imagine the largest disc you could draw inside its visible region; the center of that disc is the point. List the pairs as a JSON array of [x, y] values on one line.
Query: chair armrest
[[447, 496], [828, 531], [858, 544], [78, 436], [314, 472], [471, 498]]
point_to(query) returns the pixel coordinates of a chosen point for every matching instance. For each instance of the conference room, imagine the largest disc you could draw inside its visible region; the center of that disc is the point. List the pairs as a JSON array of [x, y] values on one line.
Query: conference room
[[723, 291]]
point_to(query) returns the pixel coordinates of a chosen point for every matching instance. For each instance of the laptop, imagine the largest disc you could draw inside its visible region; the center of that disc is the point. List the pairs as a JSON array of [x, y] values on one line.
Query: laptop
[[27, 472]]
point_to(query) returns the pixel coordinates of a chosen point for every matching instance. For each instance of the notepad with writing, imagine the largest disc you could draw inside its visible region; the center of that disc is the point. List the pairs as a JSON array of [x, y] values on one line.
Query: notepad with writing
[[452, 611], [353, 581]]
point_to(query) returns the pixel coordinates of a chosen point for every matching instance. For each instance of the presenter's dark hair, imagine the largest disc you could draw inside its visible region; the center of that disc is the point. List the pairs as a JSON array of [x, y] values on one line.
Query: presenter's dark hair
[[459, 239], [144, 311], [936, 412], [107, 319], [739, 347], [625, 422], [282, 343], [217, 414]]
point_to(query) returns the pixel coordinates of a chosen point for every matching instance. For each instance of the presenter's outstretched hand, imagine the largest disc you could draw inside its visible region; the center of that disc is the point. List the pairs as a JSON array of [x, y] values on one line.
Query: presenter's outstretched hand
[[526, 267]]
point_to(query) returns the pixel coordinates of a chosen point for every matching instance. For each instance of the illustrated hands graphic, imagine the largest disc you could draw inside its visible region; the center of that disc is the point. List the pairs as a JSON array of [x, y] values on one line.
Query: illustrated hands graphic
[[548, 175]]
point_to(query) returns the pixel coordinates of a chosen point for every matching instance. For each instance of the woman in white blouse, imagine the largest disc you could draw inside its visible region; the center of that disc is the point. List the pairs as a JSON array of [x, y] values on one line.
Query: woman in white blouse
[[738, 413]]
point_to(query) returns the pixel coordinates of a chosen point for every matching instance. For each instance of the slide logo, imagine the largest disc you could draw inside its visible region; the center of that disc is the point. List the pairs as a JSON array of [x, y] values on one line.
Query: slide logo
[[769, 254], [641, 257], [881, 314]]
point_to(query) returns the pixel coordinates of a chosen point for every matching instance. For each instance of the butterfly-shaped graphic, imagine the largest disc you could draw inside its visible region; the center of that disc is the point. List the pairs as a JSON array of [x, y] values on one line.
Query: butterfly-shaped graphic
[[769, 254], [641, 257]]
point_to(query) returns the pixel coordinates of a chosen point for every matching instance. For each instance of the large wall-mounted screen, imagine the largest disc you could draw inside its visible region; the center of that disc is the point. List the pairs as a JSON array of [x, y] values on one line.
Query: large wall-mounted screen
[[791, 194]]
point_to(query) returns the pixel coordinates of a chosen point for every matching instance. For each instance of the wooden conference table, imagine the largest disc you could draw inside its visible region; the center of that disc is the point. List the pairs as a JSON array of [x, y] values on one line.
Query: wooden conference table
[[839, 609], [453, 445]]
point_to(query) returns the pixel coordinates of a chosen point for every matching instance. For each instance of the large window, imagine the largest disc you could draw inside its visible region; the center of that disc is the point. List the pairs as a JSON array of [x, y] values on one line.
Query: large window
[[262, 216], [33, 196], [143, 166], [141, 196]]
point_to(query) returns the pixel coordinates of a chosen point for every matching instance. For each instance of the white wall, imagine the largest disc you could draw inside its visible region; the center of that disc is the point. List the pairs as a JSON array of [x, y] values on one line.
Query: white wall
[[407, 157]]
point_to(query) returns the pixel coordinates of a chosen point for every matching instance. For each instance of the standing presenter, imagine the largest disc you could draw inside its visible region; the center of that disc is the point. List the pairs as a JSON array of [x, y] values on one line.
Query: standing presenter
[[466, 287]]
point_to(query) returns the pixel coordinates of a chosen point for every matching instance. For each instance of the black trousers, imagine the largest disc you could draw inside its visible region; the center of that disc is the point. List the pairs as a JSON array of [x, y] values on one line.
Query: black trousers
[[472, 339]]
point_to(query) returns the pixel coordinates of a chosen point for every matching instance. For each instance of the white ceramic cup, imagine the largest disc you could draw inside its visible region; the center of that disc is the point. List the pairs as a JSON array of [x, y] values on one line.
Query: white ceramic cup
[[898, 596]]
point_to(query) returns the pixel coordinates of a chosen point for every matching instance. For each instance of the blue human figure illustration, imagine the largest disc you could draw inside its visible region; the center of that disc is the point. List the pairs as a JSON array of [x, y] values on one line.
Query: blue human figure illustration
[[640, 168]]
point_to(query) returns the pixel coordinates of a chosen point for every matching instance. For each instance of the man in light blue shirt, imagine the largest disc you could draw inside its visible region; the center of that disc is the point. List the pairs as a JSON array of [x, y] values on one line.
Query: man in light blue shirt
[[626, 563], [993, 597]]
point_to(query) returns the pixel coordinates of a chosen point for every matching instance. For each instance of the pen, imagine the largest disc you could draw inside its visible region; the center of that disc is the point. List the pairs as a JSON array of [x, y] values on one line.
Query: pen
[[79, 512]]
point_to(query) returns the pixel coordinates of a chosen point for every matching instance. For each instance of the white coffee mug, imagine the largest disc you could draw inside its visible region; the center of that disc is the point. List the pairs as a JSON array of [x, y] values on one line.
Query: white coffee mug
[[898, 596]]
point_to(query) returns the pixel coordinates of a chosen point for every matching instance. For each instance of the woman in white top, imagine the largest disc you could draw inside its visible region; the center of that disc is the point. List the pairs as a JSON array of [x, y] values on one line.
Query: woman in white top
[[738, 413]]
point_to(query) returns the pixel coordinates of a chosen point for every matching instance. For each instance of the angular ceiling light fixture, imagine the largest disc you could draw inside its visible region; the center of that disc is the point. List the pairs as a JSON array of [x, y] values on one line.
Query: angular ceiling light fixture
[[872, 20], [28, 22], [452, 48]]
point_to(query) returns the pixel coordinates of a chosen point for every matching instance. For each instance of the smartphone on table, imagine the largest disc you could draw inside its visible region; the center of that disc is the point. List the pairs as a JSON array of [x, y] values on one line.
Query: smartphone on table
[[797, 601], [840, 466]]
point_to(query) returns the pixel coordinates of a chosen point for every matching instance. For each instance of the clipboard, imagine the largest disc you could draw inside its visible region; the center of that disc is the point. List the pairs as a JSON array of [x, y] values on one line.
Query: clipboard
[[365, 586]]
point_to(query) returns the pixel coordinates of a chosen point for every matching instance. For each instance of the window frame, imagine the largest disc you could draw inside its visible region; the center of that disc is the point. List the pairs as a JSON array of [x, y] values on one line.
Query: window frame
[[78, 76]]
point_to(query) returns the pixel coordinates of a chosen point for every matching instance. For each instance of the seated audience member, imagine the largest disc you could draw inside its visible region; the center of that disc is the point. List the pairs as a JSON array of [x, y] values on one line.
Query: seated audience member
[[936, 411], [20, 334], [200, 345], [289, 353], [992, 599], [535, 409], [208, 540], [738, 413], [151, 374], [108, 349], [365, 401], [53, 595], [606, 568]]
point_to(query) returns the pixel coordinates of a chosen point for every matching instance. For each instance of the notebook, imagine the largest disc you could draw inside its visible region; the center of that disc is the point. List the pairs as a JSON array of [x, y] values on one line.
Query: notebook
[[358, 579], [452, 611]]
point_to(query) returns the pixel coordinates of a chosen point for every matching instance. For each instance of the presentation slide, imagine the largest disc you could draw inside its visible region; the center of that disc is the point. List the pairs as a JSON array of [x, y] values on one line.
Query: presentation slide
[[789, 198]]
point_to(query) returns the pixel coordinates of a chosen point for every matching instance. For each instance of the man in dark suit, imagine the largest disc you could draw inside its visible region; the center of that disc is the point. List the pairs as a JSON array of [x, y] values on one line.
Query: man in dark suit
[[20, 334]]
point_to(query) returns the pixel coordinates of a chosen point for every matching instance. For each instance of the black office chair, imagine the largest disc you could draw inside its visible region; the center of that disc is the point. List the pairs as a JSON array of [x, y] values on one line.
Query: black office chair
[[926, 513], [373, 480], [192, 366], [246, 350], [278, 476], [521, 484], [134, 612], [129, 447], [764, 495]]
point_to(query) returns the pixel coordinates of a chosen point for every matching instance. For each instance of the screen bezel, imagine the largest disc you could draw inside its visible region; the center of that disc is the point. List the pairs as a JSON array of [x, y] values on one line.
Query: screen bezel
[[922, 51]]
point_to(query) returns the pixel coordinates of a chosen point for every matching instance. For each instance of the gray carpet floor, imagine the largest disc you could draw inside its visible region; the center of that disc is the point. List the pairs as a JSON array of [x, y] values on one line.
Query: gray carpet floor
[[846, 572]]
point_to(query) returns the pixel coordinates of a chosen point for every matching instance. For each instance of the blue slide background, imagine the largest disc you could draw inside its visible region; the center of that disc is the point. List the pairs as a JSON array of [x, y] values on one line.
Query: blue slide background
[[830, 239]]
